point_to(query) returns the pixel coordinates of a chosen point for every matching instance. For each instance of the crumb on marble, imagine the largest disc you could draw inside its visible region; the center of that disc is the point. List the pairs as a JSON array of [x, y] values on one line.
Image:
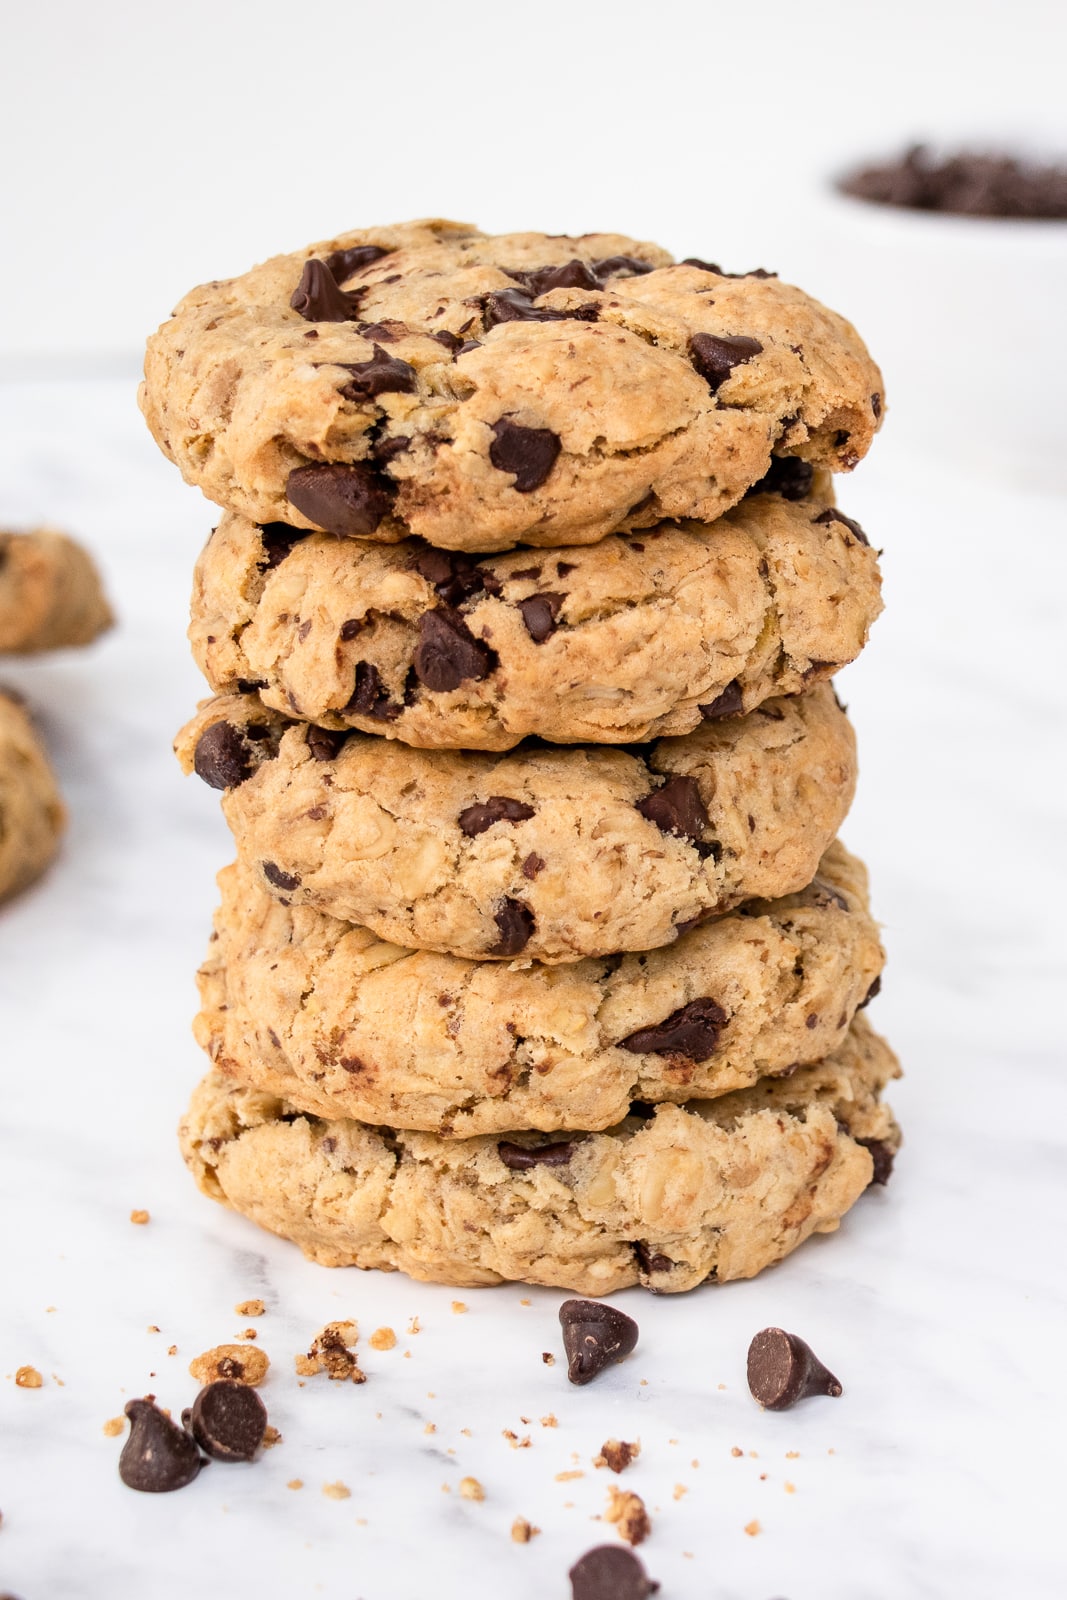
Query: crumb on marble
[[235, 1362], [414, 1326], [431, 1427], [152, 1328], [617, 1454], [694, 1462], [49, 1308], [295, 1483], [249, 1308], [114, 1426], [514, 1440], [382, 1339], [172, 1350], [331, 1352], [471, 1489], [61, 1382], [753, 1455], [763, 1477], [548, 1358], [28, 1378], [526, 1302], [248, 1334], [337, 1491], [522, 1531], [790, 1488], [752, 1528], [551, 1421], [458, 1307], [140, 1217], [566, 1477], [627, 1511], [736, 1451], [271, 1437], [467, 1434], [680, 1491]]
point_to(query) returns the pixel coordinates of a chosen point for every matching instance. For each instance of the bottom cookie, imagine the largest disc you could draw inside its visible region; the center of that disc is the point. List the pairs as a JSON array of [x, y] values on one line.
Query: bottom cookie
[[32, 815], [669, 1198]]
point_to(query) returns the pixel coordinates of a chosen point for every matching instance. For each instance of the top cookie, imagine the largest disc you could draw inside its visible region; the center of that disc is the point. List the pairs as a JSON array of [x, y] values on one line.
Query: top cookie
[[485, 391]]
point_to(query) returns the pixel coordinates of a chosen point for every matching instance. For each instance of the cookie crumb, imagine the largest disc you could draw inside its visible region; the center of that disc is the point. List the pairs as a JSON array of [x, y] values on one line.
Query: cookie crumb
[[382, 1339], [680, 1491], [295, 1483], [515, 1442], [694, 1462], [248, 1333], [551, 1421], [752, 1528], [565, 1477], [172, 1350], [617, 1454], [331, 1352], [471, 1489], [114, 1426], [271, 1437], [792, 1455], [526, 1303], [458, 1308], [28, 1378], [467, 1434], [522, 1531], [431, 1427], [233, 1362], [414, 1326], [337, 1491], [140, 1218], [548, 1358], [790, 1488], [627, 1511], [152, 1328], [249, 1308], [734, 1451]]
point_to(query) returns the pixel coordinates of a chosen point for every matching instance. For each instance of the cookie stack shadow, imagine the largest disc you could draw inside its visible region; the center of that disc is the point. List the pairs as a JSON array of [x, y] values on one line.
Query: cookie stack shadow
[[540, 959]]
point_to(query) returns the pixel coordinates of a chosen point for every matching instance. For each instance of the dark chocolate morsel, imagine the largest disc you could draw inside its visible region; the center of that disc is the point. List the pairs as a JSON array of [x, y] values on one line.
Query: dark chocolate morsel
[[324, 743], [831, 514], [876, 988], [788, 476], [347, 500], [158, 1455], [448, 654], [343, 263], [455, 576], [370, 697], [228, 1421], [222, 757], [876, 405], [610, 1572], [614, 266], [520, 1158], [474, 819], [516, 924], [533, 865], [539, 612], [529, 453], [715, 357], [692, 1031], [882, 1156], [318, 298], [277, 539], [281, 880], [726, 704], [571, 275], [782, 1369], [676, 808], [382, 374], [594, 1334], [387, 332], [515, 305], [705, 266], [651, 1260]]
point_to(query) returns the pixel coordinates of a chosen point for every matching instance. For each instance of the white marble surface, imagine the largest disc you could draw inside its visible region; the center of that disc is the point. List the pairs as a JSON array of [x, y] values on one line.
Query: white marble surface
[[940, 1303]]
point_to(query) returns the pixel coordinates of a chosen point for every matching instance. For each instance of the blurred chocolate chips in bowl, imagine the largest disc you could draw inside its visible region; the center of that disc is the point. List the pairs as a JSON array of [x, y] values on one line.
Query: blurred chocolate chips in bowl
[[968, 184]]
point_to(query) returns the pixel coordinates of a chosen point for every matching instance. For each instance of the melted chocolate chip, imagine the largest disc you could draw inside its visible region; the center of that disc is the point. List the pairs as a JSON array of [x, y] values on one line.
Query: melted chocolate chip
[[882, 1155], [705, 266], [382, 374], [475, 819], [676, 808], [782, 1369], [324, 743], [572, 274], [456, 577], [539, 612], [876, 405], [520, 1158], [529, 453], [515, 922], [343, 263], [533, 865], [610, 1572], [594, 1334], [651, 1260], [692, 1031], [616, 266], [709, 266], [831, 514], [387, 332], [277, 539], [347, 500], [158, 1455], [876, 988], [451, 341], [275, 875], [715, 357], [318, 298], [467, 345], [222, 757], [384, 450], [228, 1421], [788, 476], [351, 629], [448, 654], [726, 704], [515, 305], [370, 698]]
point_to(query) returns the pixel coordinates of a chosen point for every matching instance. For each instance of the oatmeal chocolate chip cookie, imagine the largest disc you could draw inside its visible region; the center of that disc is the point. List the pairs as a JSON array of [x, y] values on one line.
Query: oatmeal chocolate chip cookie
[[50, 593], [671, 1198], [32, 814], [343, 1024], [639, 636], [482, 392], [580, 851]]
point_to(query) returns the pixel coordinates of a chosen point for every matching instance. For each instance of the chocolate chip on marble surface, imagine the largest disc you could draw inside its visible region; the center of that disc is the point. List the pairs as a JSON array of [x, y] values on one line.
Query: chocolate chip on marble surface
[[228, 1421], [725, 704], [692, 1031], [348, 500], [158, 1456], [831, 514], [788, 476], [715, 356], [520, 1158], [610, 1573], [676, 808], [782, 1369], [343, 263], [528, 453], [594, 1335], [475, 819], [448, 654], [539, 613], [382, 374], [222, 757], [882, 1155], [319, 298], [275, 875], [516, 925]]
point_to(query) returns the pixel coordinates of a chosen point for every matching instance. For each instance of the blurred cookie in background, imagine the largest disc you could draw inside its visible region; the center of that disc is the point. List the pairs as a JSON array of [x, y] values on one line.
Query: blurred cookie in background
[[51, 595], [32, 814]]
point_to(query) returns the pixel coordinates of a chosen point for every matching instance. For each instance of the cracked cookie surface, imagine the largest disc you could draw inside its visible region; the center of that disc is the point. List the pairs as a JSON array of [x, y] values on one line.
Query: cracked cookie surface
[[32, 814], [637, 637], [485, 391], [552, 852], [341, 1023], [706, 1192], [51, 597]]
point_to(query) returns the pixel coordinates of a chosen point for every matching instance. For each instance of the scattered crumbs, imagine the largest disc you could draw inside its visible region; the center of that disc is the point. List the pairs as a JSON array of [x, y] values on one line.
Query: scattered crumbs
[[407, 1355], [627, 1511], [466, 1433], [233, 1361], [551, 1421], [50, 1308], [680, 1490], [688, 1554], [521, 1530], [515, 1442], [331, 1352], [58, 1380], [431, 1394], [458, 1308], [617, 1454], [548, 1358], [763, 1477], [734, 1451], [672, 1441], [295, 1483], [446, 1488], [450, 1451], [565, 1477], [414, 1326], [752, 1528], [361, 1522], [792, 1455], [151, 1328], [140, 1217], [248, 1333], [831, 1452], [644, 1383], [694, 1462], [337, 1491], [28, 1378], [377, 1416], [271, 1437], [754, 1455], [722, 1386], [382, 1339], [470, 1488], [114, 1426], [528, 1303], [172, 1350], [790, 1488], [431, 1427], [249, 1308], [525, 1421]]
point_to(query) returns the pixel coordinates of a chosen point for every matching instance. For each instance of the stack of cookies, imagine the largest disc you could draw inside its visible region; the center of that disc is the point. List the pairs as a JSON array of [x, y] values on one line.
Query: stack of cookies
[[539, 959]]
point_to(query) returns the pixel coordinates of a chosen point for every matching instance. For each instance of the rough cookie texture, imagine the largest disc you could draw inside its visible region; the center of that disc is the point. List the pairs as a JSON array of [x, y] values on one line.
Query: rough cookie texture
[[602, 849], [340, 1023], [50, 593], [637, 637], [482, 392], [32, 815], [715, 1190]]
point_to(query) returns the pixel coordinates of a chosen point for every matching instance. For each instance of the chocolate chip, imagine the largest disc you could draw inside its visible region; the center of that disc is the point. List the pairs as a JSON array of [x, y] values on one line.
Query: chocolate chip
[[532, 865], [726, 704], [467, 345], [475, 819], [222, 757], [525, 572], [318, 298], [455, 576], [594, 1334], [715, 357], [370, 697], [387, 332], [385, 450], [158, 1455], [882, 1155], [563, 567], [692, 1031], [831, 514], [876, 405], [610, 1573], [529, 453], [448, 654], [651, 1260], [351, 629], [516, 923], [709, 266], [451, 341], [515, 305], [968, 183], [573, 274], [876, 988], [615, 266], [280, 879], [676, 808], [277, 539], [520, 1158], [382, 374], [324, 743], [228, 1421], [539, 612], [782, 1369], [788, 476], [705, 266], [821, 895], [347, 500], [343, 263]]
